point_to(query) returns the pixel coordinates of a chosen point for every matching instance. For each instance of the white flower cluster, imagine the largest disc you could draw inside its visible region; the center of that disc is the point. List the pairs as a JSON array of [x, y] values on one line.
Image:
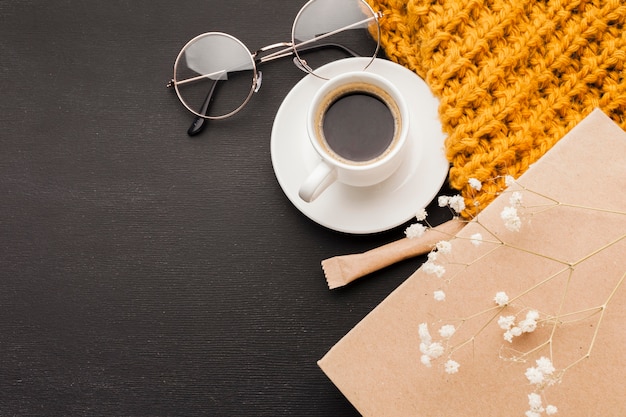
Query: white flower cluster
[[431, 267], [456, 203], [540, 375], [509, 214], [475, 184], [528, 325], [444, 247], [421, 215], [516, 199], [432, 350], [536, 406], [451, 367], [511, 219], [447, 331], [415, 230], [476, 239], [501, 299], [509, 180]]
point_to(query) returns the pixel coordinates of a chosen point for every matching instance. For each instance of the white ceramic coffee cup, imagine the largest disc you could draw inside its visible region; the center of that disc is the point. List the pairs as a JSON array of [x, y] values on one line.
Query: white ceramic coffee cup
[[334, 167]]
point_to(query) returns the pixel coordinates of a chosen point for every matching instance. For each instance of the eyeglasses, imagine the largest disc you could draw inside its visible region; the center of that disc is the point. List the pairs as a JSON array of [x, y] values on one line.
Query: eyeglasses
[[323, 31]]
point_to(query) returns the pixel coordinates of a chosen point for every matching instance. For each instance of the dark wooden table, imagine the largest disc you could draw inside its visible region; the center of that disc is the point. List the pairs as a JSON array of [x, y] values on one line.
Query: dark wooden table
[[142, 272]]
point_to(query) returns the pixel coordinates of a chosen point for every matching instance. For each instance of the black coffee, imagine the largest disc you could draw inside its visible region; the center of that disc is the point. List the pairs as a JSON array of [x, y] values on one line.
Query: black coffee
[[358, 126]]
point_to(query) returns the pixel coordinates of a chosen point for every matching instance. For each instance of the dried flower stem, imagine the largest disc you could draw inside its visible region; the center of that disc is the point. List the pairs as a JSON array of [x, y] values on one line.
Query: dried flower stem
[[608, 245], [603, 308], [544, 374], [476, 334]]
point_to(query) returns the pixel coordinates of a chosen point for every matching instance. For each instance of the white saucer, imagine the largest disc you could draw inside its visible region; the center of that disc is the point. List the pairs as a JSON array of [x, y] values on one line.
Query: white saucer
[[361, 210]]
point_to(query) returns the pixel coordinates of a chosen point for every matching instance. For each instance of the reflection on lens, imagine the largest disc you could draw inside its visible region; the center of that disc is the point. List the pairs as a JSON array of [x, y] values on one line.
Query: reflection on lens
[[323, 25], [214, 75]]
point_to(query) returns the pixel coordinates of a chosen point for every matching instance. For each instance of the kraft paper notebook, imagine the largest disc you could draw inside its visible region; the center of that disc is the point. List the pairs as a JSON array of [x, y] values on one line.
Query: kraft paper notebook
[[523, 313]]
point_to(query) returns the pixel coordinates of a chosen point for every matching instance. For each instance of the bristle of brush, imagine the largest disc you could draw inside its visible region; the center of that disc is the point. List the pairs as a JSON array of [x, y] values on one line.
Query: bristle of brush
[[332, 272]]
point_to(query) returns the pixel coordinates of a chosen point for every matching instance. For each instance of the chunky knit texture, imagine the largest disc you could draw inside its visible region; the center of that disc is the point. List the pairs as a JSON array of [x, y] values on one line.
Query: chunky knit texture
[[512, 76]]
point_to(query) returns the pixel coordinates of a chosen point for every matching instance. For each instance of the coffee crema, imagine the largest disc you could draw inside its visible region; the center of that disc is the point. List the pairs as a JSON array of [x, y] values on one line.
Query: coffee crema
[[358, 123]]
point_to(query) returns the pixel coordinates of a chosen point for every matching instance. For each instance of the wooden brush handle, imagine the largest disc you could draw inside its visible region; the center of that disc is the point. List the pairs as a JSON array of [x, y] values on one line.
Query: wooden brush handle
[[340, 270], [406, 248]]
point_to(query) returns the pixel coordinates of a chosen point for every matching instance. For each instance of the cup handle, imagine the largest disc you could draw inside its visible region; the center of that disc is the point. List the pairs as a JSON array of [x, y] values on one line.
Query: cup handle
[[318, 180]]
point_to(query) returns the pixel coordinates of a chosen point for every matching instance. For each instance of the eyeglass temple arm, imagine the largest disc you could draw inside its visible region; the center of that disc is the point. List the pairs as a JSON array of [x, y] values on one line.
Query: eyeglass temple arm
[[301, 49], [199, 123], [304, 44]]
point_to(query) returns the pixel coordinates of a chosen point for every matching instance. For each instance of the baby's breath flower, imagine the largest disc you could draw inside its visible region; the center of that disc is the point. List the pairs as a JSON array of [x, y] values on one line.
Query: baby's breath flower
[[432, 256], [534, 376], [475, 184], [477, 239], [452, 367], [509, 180], [425, 359], [508, 336], [444, 246], [529, 324], [432, 268], [424, 333], [457, 203], [531, 413], [516, 199], [506, 322], [511, 333], [501, 299], [532, 315], [541, 373], [430, 350], [535, 402], [440, 295], [421, 215], [447, 331], [415, 230], [435, 350], [545, 365], [551, 410], [511, 219]]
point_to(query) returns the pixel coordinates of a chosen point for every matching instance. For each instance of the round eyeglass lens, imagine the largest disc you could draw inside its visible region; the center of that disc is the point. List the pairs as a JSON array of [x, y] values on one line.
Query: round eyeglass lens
[[214, 75], [328, 30]]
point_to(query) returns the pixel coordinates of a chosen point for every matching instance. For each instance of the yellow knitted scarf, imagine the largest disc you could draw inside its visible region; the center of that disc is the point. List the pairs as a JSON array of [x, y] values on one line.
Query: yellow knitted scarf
[[512, 76]]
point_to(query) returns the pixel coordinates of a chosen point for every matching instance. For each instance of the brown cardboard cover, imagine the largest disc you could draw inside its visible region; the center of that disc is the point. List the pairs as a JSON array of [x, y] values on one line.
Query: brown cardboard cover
[[583, 248]]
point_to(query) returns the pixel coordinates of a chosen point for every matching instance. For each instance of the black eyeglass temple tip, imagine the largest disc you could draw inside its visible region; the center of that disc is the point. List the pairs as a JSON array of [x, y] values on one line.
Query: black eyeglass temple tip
[[199, 123], [197, 126]]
